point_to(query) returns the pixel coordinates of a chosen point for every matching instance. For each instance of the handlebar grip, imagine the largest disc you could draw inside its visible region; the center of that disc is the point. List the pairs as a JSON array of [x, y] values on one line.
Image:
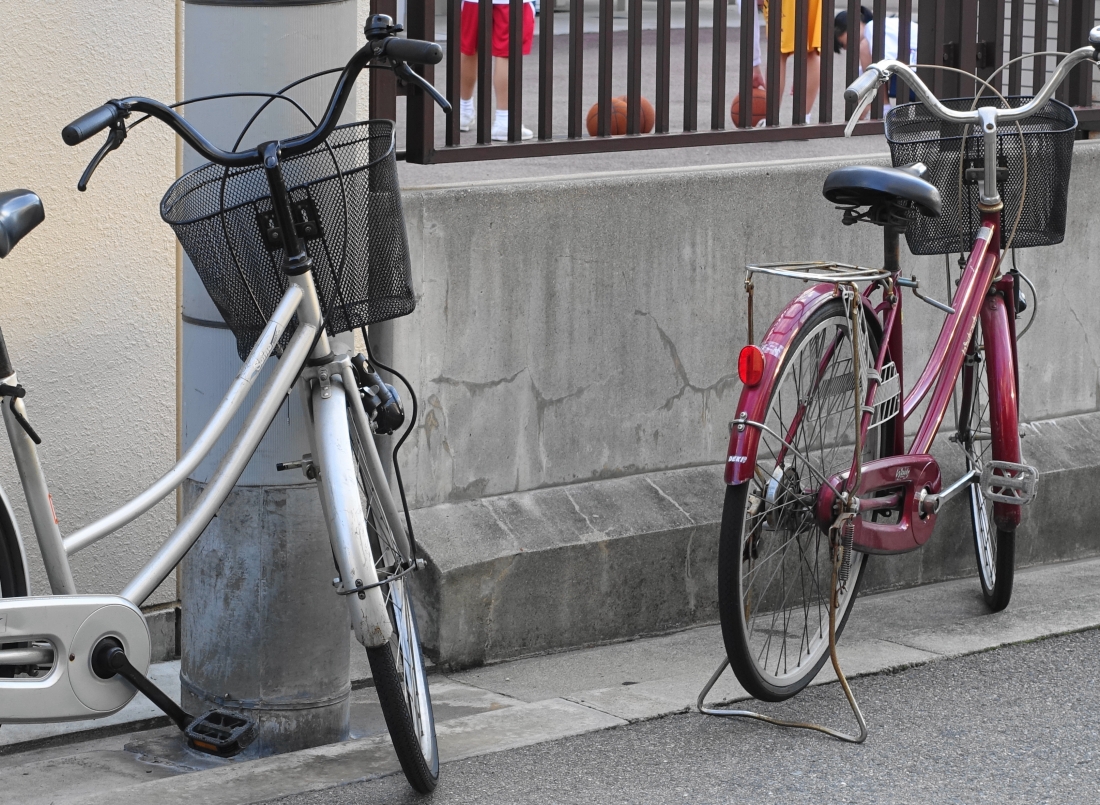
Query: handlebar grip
[[862, 85], [90, 124], [414, 51]]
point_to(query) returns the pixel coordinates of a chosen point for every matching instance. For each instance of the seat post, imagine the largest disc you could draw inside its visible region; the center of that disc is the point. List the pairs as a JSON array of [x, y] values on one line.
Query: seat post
[[891, 248]]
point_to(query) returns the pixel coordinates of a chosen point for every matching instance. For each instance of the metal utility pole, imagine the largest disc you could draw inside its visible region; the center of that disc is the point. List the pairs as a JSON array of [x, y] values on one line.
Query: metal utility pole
[[262, 630]]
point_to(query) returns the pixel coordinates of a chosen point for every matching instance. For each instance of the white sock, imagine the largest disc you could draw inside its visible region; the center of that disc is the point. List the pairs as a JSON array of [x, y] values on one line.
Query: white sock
[[467, 106], [502, 117]]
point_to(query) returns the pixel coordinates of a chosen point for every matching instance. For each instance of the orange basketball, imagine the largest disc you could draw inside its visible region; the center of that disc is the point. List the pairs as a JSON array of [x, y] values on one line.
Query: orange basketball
[[759, 106], [618, 117], [647, 112]]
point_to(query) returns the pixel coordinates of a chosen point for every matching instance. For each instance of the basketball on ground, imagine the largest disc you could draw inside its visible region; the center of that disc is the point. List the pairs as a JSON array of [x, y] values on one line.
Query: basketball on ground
[[619, 116], [759, 107]]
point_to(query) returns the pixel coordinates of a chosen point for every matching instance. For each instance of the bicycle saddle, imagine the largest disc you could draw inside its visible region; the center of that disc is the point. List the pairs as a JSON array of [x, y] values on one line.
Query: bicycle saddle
[[864, 185], [20, 212]]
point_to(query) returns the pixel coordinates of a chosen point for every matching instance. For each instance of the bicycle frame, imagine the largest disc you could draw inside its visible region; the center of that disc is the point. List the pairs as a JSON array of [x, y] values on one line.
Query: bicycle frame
[[330, 396], [980, 298]]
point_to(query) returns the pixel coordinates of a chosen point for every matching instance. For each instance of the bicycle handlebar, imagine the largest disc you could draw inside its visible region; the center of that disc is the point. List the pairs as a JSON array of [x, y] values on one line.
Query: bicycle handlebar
[[412, 50], [381, 44], [91, 123], [863, 88]]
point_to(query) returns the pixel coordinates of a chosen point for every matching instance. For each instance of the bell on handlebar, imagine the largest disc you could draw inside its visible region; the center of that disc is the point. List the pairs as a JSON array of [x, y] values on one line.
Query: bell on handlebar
[[1094, 40], [379, 26]]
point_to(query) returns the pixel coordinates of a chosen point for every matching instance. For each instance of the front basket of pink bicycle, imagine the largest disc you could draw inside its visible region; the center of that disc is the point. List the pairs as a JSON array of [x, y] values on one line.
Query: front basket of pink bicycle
[[1045, 146]]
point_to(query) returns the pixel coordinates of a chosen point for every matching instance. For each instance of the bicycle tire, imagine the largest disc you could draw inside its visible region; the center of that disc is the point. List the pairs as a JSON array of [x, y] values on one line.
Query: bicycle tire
[[13, 576], [398, 667], [994, 547], [793, 535]]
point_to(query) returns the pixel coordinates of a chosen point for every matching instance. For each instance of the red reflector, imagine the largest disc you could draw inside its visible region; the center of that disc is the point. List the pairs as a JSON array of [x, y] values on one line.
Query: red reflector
[[750, 365]]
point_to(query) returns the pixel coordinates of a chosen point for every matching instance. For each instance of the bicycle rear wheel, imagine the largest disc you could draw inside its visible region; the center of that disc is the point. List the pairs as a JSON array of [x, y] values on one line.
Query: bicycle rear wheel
[[398, 667], [995, 548], [774, 562]]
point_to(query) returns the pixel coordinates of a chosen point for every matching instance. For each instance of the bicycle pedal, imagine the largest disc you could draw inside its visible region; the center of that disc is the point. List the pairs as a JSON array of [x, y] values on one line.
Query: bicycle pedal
[[220, 733], [1006, 482]]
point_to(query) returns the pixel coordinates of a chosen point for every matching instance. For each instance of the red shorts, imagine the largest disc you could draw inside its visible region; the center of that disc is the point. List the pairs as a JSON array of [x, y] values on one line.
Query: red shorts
[[468, 29]]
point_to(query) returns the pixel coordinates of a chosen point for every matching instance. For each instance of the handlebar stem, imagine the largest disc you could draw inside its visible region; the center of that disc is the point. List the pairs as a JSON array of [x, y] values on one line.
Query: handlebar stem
[[297, 261]]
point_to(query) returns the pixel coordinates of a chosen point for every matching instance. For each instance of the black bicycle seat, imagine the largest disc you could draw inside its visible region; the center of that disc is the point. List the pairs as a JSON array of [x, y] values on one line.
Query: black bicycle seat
[[864, 185], [20, 212]]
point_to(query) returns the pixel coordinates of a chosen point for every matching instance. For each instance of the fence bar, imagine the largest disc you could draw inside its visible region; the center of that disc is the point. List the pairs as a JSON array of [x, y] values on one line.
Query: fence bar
[[851, 52], [968, 45], [991, 41], [745, 66], [825, 94], [604, 145], [1039, 63], [603, 80], [516, 11], [930, 45], [798, 80], [419, 106], [774, 91], [664, 62], [1016, 47], [905, 45], [383, 83], [878, 51], [485, 111], [691, 64], [546, 71], [718, 67], [634, 67], [576, 68], [1075, 19], [454, 72]]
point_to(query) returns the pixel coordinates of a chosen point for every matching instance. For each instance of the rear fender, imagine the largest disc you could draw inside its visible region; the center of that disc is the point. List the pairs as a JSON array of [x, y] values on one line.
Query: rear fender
[[753, 403]]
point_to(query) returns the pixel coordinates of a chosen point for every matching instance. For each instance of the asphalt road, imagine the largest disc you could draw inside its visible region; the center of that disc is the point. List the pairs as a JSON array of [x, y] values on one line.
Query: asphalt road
[[1019, 724]]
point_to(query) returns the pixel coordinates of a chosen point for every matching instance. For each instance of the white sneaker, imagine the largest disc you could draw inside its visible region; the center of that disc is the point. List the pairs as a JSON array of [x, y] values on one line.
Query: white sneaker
[[500, 131], [466, 120]]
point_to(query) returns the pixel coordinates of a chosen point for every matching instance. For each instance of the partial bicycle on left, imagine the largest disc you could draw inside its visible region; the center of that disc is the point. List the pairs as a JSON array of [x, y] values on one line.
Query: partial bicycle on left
[[282, 235]]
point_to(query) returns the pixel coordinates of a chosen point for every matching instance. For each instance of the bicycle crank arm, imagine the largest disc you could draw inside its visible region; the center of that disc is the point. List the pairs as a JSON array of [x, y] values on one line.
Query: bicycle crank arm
[[215, 733]]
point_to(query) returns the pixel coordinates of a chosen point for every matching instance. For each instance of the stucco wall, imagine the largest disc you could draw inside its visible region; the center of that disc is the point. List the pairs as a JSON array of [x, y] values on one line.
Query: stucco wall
[[87, 302]]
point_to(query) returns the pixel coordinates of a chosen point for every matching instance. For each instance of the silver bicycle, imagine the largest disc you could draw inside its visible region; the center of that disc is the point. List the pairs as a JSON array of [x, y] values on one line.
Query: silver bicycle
[[279, 235]]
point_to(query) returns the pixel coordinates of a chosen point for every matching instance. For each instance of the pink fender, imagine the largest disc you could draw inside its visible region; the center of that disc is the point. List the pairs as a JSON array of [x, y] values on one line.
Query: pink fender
[[753, 403], [1000, 366]]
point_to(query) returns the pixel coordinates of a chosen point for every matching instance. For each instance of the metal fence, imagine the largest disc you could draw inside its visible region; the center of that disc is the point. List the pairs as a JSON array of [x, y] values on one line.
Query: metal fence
[[974, 36]]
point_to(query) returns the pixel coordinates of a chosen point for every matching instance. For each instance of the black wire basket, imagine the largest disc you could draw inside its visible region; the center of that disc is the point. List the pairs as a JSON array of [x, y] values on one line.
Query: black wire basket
[[915, 135], [347, 205]]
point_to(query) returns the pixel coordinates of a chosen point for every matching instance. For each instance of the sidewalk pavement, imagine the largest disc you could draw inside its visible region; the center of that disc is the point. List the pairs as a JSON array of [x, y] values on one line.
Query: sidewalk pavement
[[545, 698]]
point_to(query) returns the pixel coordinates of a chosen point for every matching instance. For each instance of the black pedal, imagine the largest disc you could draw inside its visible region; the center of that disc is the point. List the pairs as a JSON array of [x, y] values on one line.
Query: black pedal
[[220, 733]]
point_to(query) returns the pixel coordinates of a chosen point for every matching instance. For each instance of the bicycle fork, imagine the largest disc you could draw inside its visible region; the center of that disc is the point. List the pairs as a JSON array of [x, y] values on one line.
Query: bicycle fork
[[325, 398]]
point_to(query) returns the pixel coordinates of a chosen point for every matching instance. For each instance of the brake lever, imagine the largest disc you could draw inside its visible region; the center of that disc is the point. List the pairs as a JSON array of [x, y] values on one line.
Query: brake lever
[[411, 76], [114, 139]]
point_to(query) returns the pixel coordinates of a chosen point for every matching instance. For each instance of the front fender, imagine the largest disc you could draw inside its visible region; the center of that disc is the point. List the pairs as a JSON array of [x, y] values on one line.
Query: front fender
[[753, 403]]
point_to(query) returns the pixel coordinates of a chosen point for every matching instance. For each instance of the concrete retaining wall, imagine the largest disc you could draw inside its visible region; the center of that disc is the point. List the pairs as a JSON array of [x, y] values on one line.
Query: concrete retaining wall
[[575, 349]]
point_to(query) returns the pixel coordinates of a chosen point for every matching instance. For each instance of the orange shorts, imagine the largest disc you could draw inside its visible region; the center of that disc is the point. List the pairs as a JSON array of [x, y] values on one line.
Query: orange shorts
[[467, 33]]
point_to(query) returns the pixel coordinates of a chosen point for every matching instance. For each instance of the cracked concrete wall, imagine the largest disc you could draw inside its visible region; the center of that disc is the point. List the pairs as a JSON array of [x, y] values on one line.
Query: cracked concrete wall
[[577, 329]]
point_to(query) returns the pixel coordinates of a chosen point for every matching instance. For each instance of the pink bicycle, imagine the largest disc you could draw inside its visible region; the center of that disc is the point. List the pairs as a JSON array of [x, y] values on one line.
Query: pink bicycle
[[818, 472]]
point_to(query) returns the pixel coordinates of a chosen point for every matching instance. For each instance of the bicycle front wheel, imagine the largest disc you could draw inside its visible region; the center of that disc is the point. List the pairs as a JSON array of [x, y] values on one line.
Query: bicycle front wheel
[[995, 548], [398, 667], [774, 562]]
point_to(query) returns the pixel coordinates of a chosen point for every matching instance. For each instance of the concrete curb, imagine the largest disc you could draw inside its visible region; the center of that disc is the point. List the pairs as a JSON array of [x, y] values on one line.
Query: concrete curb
[[518, 574], [887, 631]]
